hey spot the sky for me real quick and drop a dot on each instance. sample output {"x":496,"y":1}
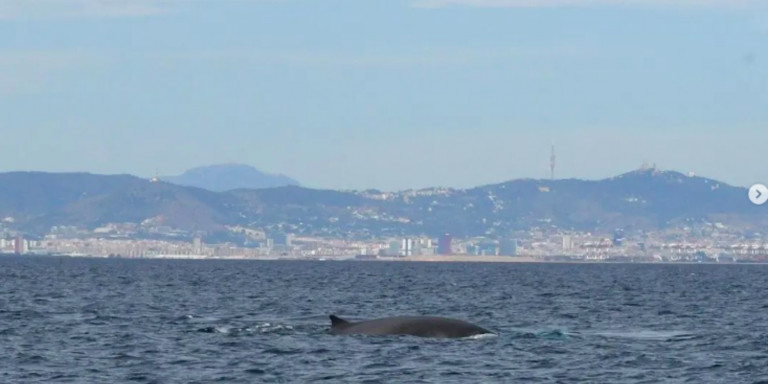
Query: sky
{"x":396,"y":94}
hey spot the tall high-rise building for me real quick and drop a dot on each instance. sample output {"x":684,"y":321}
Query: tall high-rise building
{"x":406,"y":247}
{"x":567,"y":243}
{"x":444,"y":244}
{"x":18,"y":245}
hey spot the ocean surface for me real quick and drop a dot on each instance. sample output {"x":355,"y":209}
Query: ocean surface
{"x":69,"y":320}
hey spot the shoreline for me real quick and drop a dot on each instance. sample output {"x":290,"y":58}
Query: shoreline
{"x":407,"y":259}
{"x":468,"y":259}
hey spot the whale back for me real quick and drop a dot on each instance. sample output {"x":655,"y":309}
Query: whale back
{"x":423,"y":326}
{"x":338,"y":322}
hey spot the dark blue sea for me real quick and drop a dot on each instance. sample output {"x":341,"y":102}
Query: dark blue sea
{"x":68,"y":320}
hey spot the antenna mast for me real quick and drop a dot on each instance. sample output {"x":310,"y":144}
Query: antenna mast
{"x":552,"y":164}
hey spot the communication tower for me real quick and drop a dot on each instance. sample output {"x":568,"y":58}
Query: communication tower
{"x":552,"y":164}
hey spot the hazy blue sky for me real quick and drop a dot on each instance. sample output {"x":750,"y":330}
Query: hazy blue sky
{"x":386,"y":94}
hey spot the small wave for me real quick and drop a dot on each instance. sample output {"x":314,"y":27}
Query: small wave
{"x":214,"y":329}
{"x":647,"y":335}
{"x":553,"y":334}
{"x":260,"y":328}
{"x":269,"y":328}
{"x":557,"y":334}
{"x":282,"y":351}
{"x":664,"y":312}
{"x":483,"y":336}
{"x":76,"y":317}
{"x":31,"y":359}
{"x":308,"y":317}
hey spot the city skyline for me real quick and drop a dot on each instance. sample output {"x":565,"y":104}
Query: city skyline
{"x":455,"y":93}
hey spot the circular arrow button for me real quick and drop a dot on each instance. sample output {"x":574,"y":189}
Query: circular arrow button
{"x":758,"y":194}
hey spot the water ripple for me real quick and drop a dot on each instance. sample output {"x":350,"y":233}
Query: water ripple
{"x":159,"y":321}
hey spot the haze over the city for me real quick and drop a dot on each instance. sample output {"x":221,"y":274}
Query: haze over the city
{"x":386,"y":94}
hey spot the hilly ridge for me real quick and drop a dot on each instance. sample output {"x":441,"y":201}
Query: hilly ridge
{"x":36,"y":201}
{"x":644,"y":199}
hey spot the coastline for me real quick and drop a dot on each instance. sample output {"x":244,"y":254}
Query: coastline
{"x":407,"y":259}
{"x":469,"y":259}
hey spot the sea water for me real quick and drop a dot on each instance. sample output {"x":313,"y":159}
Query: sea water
{"x":79,"y":320}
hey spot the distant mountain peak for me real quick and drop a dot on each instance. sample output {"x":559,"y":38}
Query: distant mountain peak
{"x":225,"y":177}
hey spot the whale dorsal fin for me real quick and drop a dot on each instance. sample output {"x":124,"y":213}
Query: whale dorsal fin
{"x":337,"y":321}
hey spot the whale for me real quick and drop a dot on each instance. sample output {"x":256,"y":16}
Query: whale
{"x":422,"y":326}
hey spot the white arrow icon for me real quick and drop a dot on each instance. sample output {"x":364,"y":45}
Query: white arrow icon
{"x":758,"y":194}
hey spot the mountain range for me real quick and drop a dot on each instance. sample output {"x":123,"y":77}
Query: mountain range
{"x":644,"y":199}
{"x":225,"y":177}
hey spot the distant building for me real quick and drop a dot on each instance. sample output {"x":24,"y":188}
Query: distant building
{"x":285,"y":239}
{"x":508,"y":247}
{"x":394,"y":248}
{"x":423,"y":246}
{"x":18,"y":245}
{"x":618,"y":238}
{"x":567,"y":243}
{"x":444,"y":246}
{"x":487,"y":248}
{"x":406,"y":247}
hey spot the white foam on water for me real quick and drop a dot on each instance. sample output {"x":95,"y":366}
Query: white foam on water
{"x":483,"y":336}
{"x":269,"y":327}
{"x":643,"y":334}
